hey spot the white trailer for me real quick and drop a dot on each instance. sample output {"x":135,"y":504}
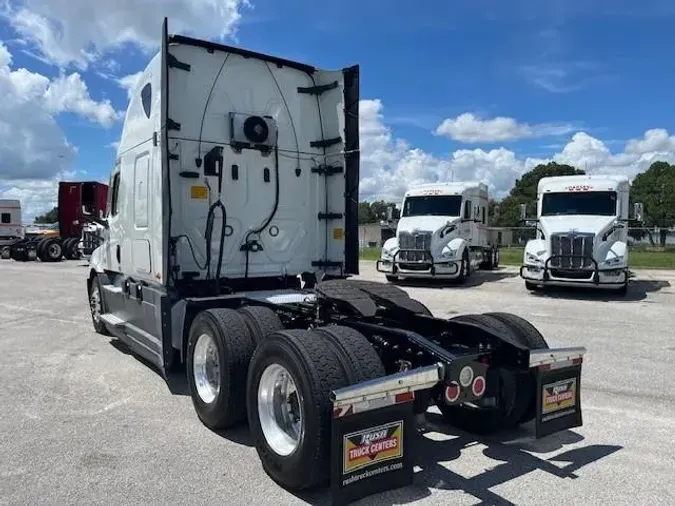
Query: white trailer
{"x":232,"y":227}
{"x":11,"y":228}
{"x":442,"y":233}
{"x":582,"y":233}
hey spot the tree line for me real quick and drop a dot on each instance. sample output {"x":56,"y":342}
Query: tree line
{"x":655,"y":188}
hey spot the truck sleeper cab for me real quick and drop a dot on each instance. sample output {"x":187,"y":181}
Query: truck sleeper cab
{"x":442,"y":233}
{"x":582,"y":233}
{"x":227,"y":251}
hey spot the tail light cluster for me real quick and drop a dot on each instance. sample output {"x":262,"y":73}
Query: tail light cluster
{"x":468,"y":381}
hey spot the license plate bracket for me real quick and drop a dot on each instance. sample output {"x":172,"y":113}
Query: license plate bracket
{"x":558,"y":399}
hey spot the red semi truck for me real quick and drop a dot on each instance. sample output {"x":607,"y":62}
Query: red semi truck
{"x":79,"y":202}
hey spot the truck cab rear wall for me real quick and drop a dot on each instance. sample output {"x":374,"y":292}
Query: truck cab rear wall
{"x":309,"y":225}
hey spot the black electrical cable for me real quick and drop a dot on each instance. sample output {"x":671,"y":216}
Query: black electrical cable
{"x":198,"y":161}
{"x":269,"y":219}
{"x":208,"y":232}
{"x":272,"y":214}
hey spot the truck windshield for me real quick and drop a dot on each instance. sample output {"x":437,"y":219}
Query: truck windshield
{"x":588,"y":203}
{"x":438,"y":205}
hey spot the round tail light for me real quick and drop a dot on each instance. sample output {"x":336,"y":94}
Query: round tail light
{"x":465,"y":376}
{"x":478,"y":386}
{"x":452,"y":392}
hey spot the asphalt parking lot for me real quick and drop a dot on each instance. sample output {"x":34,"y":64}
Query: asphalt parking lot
{"x":83,"y":422}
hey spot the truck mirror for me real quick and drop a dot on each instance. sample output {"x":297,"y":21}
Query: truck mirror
{"x":638,"y":211}
{"x":390,"y":213}
{"x":523,"y":212}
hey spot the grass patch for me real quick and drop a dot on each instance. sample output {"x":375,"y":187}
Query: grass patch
{"x":640,"y":257}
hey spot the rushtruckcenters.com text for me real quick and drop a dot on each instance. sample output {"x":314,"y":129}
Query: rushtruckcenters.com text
{"x":373,"y":472}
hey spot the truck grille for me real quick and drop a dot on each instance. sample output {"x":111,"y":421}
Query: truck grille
{"x":419,"y":243}
{"x":572,"y":251}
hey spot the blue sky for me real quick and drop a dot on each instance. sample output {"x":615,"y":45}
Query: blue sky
{"x":598,"y":67}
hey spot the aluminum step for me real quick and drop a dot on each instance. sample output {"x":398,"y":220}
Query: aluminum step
{"x":112,"y":320}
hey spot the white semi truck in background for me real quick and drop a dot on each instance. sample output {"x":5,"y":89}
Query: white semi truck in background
{"x":442,"y":233}
{"x":11,"y":227}
{"x":581,"y":233}
{"x":231,"y":230}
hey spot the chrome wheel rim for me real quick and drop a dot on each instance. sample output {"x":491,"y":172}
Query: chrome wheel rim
{"x":54,"y":250}
{"x":280,"y":410}
{"x":206,"y":368}
{"x":95,"y":303}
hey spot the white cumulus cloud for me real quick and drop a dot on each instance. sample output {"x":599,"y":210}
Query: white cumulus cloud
{"x":78,"y":32}
{"x":33,"y":148}
{"x":468,"y":127}
{"x":390,"y":165}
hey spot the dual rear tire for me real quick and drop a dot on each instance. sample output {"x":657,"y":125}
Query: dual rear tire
{"x":514,"y":390}
{"x":244,"y":366}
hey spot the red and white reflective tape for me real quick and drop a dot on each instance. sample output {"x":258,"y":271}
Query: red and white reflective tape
{"x":360,"y":407}
{"x":561,"y":365}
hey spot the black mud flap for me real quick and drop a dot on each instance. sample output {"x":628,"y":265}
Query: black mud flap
{"x":558,"y":399}
{"x":371,"y":448}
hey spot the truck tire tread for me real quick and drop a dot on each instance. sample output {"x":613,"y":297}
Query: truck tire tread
{"x":261,"y":321}
{"x":235,"y":347}
{"x":529,"y":336}
{"x":317,"y":371}
{"x":357,"y":355}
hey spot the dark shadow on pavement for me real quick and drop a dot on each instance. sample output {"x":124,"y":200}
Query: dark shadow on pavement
{"x":178,"y":385}
{"x":513,"y":453}
{"x":477,"y":278}
{"x":637,"y":291}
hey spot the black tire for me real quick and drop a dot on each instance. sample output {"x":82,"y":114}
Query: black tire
{"x":261,"y":321}
{"x":52,"y":250}
{"x":357,"y":355}
{"x":527,"y":335}
{"x":623,"y":291}
{"x":316,"y":370}
{"x":40,"y":246}
{"x":465,"y":268}
{"x":392,"y":279}
{"x":530,"y":286}
{"x":68,"y":249}
{"x":97,"y":307}
{"x":516,"y":391}
{"x":234,"y":347}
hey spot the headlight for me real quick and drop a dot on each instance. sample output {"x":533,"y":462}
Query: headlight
{"x":387,"y":253}
{"x":614,"y":260}
{"x":449,"y":253}
{"x":530,"y":258}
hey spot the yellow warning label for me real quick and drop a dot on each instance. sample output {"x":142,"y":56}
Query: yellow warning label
{"x":199,"y":192}
{"x":338,"y":233}
{"x":372,"y":446}
{"x":559,"y":395}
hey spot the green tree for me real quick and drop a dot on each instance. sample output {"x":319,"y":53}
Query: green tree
{"x":524,"y":191}
{"x":365,"y":214}
{"x":50,"y":217}
{"x":655,"y":188}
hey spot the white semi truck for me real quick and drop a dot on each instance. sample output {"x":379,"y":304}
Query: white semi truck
{"x":442,"y":233}
{"x":11,"y":227}
{"x":581,"y":233}
{"x":231,"y":232}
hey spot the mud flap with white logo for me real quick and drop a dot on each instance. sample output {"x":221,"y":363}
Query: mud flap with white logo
{"x":371,"y":448}
{"x":558,"y":400}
